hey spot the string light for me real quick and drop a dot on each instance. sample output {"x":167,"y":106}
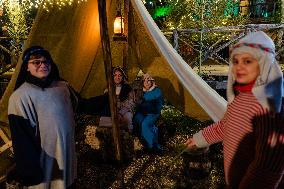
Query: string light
{"x":27,"y":5}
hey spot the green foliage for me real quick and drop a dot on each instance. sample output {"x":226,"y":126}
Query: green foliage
{"x":16,"y":21}
{"x":277,"y":17}
{"x":179,"y":123}
{"x":203,"y":13}
{"x":16,"y":26}
{"x":161,"y":11}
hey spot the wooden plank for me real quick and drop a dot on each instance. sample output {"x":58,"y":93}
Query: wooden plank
{"x":7,"y":141}
{"x":5,"y":146}
{"x":3,"y":136}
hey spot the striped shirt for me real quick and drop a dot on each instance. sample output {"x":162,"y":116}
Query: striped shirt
{"x":253,"y":142}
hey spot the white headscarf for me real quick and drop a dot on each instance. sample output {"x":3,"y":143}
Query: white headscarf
{"x":148,"y":77}
{"x":268,"y":88}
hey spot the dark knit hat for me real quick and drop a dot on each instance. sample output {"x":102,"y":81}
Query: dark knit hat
{"x":36,"y":50}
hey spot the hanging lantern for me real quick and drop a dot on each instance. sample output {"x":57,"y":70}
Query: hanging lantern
{"x":118,"y":28}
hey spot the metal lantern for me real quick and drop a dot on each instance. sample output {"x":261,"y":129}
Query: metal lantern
{"x":118,"y":28}
{"x":118,"y":25}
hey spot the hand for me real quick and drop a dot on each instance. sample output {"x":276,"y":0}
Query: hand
{"x":120,"y":117}
{"x":190,"y":143}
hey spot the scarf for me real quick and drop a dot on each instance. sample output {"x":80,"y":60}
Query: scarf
{"x":244,"y":87}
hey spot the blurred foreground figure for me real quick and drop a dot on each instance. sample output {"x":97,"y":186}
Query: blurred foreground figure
{"x":252,"y":129}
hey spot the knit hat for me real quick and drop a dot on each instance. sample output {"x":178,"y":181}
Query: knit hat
{"x":268,"y":88}
{"x":35,"y":50}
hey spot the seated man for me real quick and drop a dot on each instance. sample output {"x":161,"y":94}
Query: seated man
{"x":147,"y":114}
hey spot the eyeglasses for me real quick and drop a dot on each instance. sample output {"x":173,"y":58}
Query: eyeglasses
{"x":39,"y":62}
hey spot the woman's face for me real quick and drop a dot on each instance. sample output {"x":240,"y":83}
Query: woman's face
{"x":245,"y":68}
{"x":117,"y":77}
{"x":39,"y":67}
{"x":147,"y":84}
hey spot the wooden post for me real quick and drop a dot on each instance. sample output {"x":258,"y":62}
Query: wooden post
{"x":109,"y":76}
{"x":125,"y":45}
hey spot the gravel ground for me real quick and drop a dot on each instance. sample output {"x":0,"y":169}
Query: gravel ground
{"x":98,"y":169}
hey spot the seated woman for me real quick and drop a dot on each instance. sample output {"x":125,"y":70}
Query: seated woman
{"x":100,"y":105}
{"x":147,"y":114}
{"x":125,"y":99}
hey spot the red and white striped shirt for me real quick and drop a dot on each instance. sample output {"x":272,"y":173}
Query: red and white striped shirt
{"x":253,"y":142}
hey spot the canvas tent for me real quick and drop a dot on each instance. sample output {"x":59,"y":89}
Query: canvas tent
{"x":72,"y":35}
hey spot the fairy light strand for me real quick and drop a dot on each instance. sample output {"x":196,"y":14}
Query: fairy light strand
{"x":27,"y":5}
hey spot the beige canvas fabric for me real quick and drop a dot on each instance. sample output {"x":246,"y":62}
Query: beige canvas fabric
{"x":72,"y":35}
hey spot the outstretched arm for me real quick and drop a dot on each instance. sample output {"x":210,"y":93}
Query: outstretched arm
{"x":209,"y":135}
{"x":92,"y":106}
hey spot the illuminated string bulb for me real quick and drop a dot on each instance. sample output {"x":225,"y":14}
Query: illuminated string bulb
{"x":28,"y":4}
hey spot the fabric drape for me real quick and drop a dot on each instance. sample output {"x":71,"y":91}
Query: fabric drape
{"x":207,"y":98}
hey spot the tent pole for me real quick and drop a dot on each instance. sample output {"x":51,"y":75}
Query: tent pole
{"x":125,"y":45}
{"x":109,"y":76}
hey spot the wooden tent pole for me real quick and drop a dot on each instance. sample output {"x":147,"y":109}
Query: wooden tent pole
{"x":125,"y":45}
{"x":109,"y":76}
